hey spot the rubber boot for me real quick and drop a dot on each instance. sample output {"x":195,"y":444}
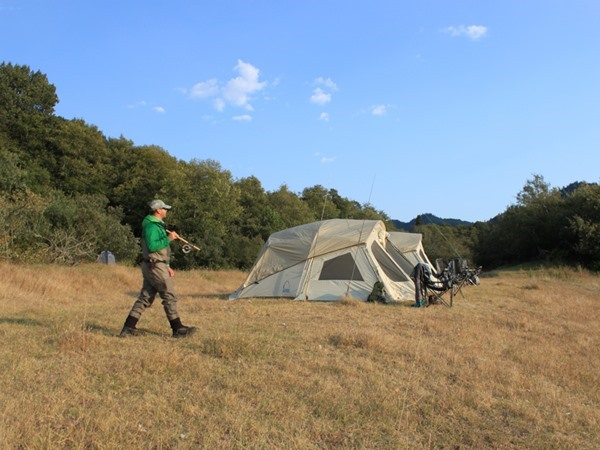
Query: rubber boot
{"x":180,"y":330}
{"x":129,"y":328}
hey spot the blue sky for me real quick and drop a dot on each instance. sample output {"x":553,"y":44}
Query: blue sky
{"x":442,"y":106}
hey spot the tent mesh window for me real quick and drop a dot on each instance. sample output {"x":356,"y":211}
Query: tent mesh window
{"x":387,"y":264}
{"x":341,"y":267}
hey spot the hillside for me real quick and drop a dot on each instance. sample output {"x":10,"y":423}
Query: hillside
{"x":512,"y":365}
{"x":427,"y":219}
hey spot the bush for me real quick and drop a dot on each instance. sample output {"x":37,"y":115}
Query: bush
{"x":60,"y":229}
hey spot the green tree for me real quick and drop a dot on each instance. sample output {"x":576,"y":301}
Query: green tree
{"x":137,"y":175}
{"x":257,"y":217}
{"x":252,"y":227}
{"x":368,"y":212}
{"x":80,"y":158}
{"x":447,"y":242}
{"x":531,"y":230}
{"x":320,"y":202}
{"x":347,"y":209}
{"x":27,"y":102}
{"x":537,"y":221}
{"x":12,"y":174}
{"x":582,"y":234}
{"x":205,"y":207}
{"x":292,"y":210}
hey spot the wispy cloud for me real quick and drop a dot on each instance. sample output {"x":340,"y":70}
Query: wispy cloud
{"x":379,"y":110}
{"x":324,"y":117}
{"x":243,"y":118}
{"x":145,"y":104}
{"x":219,"y":104}
{"x":325,"y":159}
{"x":473,"y":32}
{"x":236,"y":92}
{"x":205,"y":89}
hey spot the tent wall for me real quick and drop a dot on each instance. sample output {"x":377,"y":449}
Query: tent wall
{"x":407,"y":250}
{"x":285,"y":283}
{"x":355,"y":276}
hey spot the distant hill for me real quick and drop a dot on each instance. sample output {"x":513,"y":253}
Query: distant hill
{"x":428,"y":219}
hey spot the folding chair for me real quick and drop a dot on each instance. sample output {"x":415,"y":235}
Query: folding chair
{"x":453,"y":275}
{"x":431,"y":287}
{"x":435,"y":292}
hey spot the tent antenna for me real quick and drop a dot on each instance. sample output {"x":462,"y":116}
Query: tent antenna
{"x":324,"y":202}
{"x":364,"y":218}
{"x":360,"y":236}
{"x":309,"y":270}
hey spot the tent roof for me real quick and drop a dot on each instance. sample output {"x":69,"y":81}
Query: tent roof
{"x":288,"y":247}
{"x":318,"y":238}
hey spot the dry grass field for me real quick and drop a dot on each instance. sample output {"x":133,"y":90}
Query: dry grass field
{"x":514,"y":364}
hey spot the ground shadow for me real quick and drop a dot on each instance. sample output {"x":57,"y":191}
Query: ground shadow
{"x":22,"y":321}
{"x":208,"y":296}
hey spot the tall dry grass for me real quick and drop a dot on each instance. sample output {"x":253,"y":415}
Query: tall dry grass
{"x":514,"y":364}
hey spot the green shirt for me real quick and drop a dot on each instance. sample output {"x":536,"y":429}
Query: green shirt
{"x":154,"y":234}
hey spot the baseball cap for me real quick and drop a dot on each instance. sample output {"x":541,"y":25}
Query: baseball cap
{"x":159,"y":204}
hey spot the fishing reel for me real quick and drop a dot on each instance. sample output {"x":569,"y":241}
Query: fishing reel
{"x":187,"y":246}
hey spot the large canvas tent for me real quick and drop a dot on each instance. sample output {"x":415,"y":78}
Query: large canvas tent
{"x":333,"y":259}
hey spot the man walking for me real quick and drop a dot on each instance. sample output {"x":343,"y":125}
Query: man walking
{"x":157,"y":274}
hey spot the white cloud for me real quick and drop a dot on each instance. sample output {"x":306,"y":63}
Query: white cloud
{"x":235,"y":92}
{"x":327,"y":82}
{"x":243,"y":118}
{"x":379,"y":110}
{"x":238,"y":89}
{"x":324,"y":117}
{"x":159,"y":109}
{"x":473,"y":32}
{"x":319,"y":97}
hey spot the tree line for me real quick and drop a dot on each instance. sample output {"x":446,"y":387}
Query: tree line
{"x":68,"y":192}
